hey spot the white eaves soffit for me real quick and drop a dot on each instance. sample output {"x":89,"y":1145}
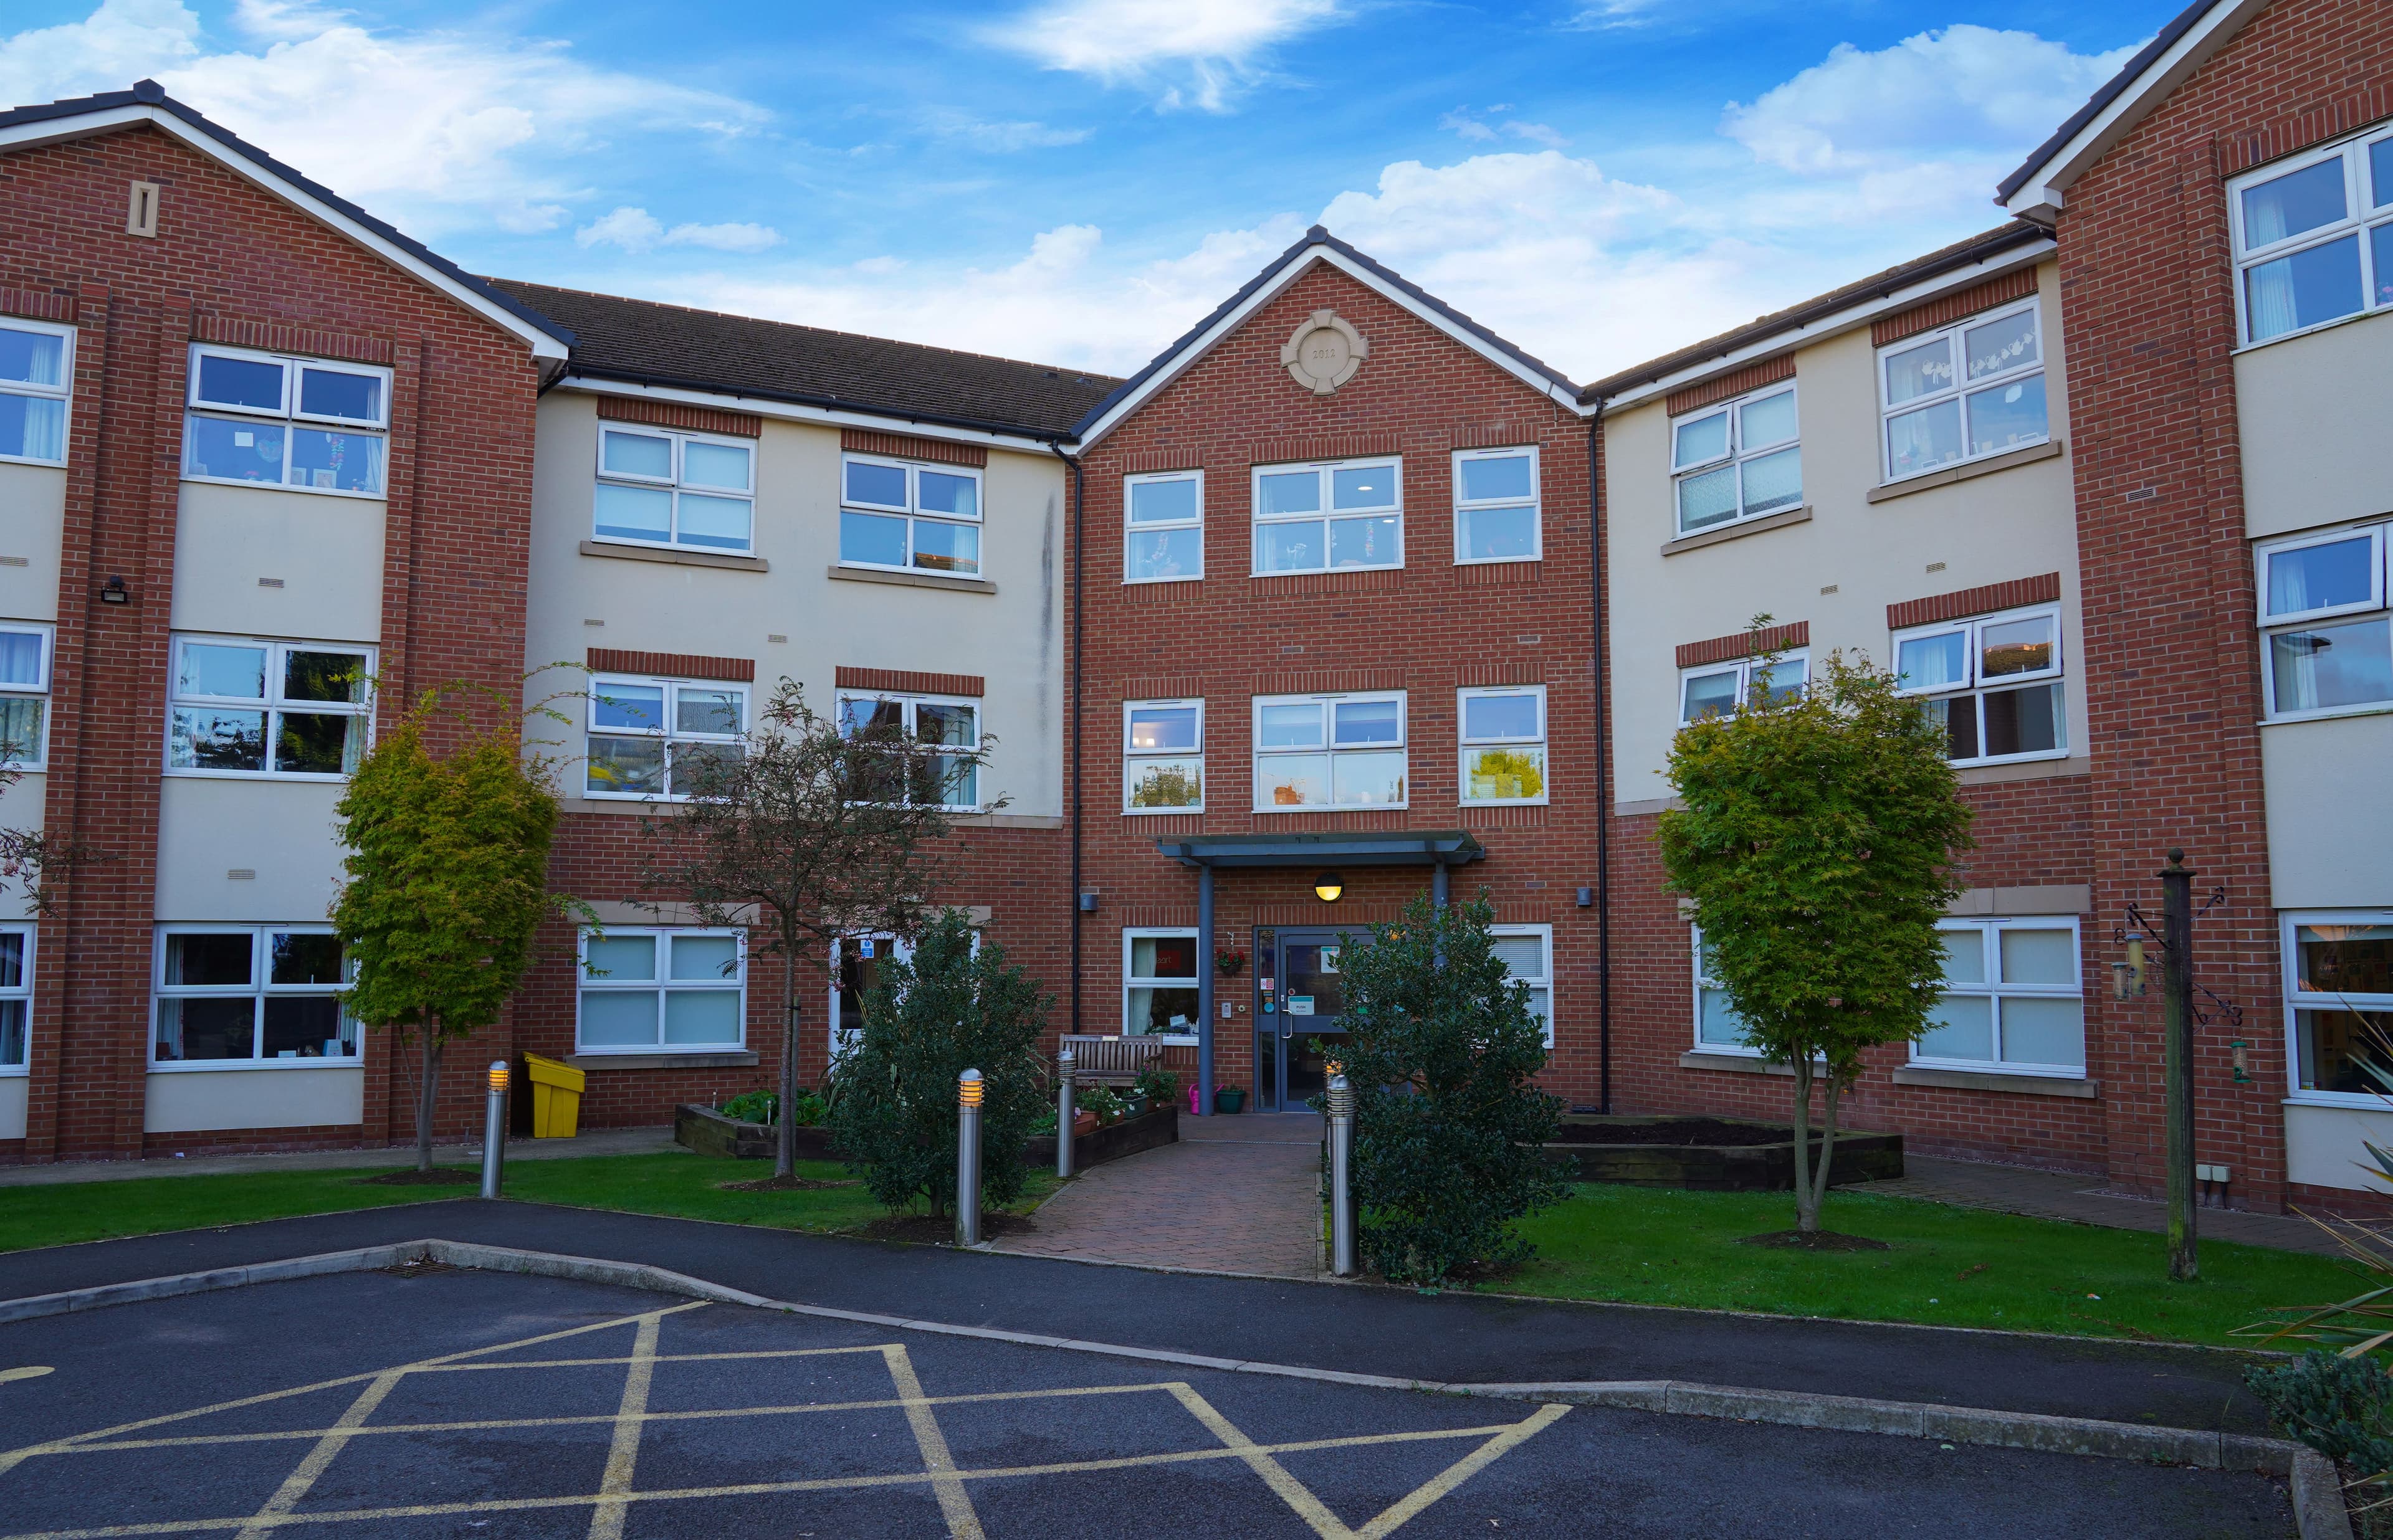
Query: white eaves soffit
{"x":2045,"y":193}
{"x":1186,"y":357}
{"x":115,"y":119}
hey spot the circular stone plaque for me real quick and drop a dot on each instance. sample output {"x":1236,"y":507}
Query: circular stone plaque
{"x":1324,"y":352}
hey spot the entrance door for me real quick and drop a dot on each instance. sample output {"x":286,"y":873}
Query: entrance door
{"x":1300,"y":999}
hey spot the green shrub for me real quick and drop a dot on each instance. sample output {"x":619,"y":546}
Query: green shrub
{"x":764,"y":1106}
{"x":1159,"y":1085}
{"x":2342,"y":1407}
{"x":1104,"y":1101}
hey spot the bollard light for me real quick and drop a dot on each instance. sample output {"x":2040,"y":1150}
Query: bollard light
{"x":1063,"y":1068}
{"x":969,"y":1088}
{"x":498,"y":1075}
{"x":969,"y":1091}
{"x":1341,"y":1162}
{"x":494,"y":1130}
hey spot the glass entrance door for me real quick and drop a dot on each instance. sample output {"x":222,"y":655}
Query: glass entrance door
{"x":1300,"y":1001}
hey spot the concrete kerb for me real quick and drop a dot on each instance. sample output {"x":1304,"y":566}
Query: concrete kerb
{"x":2318,"y":1498}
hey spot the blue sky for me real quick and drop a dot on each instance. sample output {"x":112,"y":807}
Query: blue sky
{"x":1078,"y":180}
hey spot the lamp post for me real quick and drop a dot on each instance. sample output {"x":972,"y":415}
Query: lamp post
{"x":494,"y":1130}
{"x":1063,"y":1063}
{"x":1341,"y":1160}
{"x":2177,"y":1015}
{"x":969,"y":1091}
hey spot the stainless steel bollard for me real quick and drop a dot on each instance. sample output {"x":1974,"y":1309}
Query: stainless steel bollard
{"x":1341,"y":1160}
{"x":494,"y":1130}
{"x":1063,"y":1114}
{"x":969,"y":1091}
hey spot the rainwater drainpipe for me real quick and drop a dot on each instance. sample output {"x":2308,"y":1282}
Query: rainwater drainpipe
{"x":1602,"y":765}
{"x":1073,"y":512}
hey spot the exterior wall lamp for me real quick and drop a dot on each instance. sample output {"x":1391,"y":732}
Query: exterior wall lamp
{"x":1089,"y":902}
{"x":2127,"y":978}
{"x":114,"y":592}
{"x":1327,"y":886}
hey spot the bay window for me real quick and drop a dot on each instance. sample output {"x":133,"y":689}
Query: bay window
{"x":661,"y":989}
{"x":2327,"y":640}
{"x":663,"y":739}
{"x":1328,"y":751}
{"x":1964,"y":392}
{"x":36,"y":371}
{"x":247,"y":996}
{"x":1321,"y":517}
{"x":304,"y":424}
{"x":16,"y":995}
{"x":1992,"y":682}
{"x":1737,"y":460}
{"x":1159,"y":981}
{"x":2313,"y":236}
{"x":1163,"y":756}
{"x":947,"y":780}
{"x":1163,"y":534}
{"x":2013,"y":1001}
{"x":1721,"y":689}
{"x":24,"y":695}
{"x":657,"y":487}
{"x":1503,"y":737}
{"x":2339,"y":1004}
{"x":1495,"y":505}
{"x":896,"y":514}
{"x":292,"y":709}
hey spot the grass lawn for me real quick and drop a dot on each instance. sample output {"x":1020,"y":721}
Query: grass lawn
{"x":1949,"y":1267}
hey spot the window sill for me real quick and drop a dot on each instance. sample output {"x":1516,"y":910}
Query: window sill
{"x":1177,"y":578}
{"x":677,"y":558}
{"x":1996,"y":1080}
{"x":1735,"y":1063}
{"x":911,"y":580}
{"x":2049,"y":449}
{"x":217,"y":1067}
{"x":1329,"y":807}
{"x":1733,"y":532}
{"x":2023,"y":770}
{"x":278,"y":486}
{"x":2352,"y":318}
{"x":729,"y":1058}
{"x":2374,"y":709}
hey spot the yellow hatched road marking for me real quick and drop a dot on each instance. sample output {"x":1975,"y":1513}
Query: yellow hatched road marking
{"x":955,"y":1502}
{"x":623,"y":1457}
{"x":1295,"y":1493}
{"x":1460,"y":1471}
{"x":295,"y":1486}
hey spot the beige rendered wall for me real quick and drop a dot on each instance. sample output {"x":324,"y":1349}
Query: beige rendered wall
{"x":2330,"y":824}
{"x":285,"y":832}
{"x":191,"y":1101}
{"x":2014,"y":523}
{"x":327,"y":551}
{"x":33,"y":521}
{"x":2323,"y":1145}
{"x":1013,"y":637}
{"x":12,"y":1106}
{"x":2309,"y":411}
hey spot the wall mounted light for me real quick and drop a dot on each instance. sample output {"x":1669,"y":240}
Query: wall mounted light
{"x":1089,"y":902}
{"x":1327,"y":886}
{"x":1587,"y":898}
{"x":114,"y":592}
{"x":2127,"y":978}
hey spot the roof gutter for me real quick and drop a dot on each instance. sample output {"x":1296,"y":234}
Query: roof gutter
{"x":1025,"y":436}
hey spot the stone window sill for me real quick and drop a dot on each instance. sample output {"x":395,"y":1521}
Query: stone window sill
{"x":1737,"y":531}
{"x":729,"y":1059}
{"x":911,"y":580}
{"x":677,"y":558}
{"x":1735,"y":1063}
{"x":2015,"y":1085}
{"x":1951,"y":474}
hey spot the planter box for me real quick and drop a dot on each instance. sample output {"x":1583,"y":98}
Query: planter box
{"x":710,"y":1133}
{"x":1765,"y":1166}
{"x":1148,"y":1130}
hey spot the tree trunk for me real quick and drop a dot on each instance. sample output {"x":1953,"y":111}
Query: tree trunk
{"x":1827,"y":1146}
{"x":1806,"y":1208}
{"x":428,"y":1095}
{"x":785,"y":1148}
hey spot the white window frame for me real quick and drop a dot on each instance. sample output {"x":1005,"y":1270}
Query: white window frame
{"x":272,"y":705}
{"x":1134,"y":759}
{"x":1133,"y":530}
{"x":675,"y":485}
{"x":1463,"y":507}
{"x":659,"y":986}
{"x":1130,"y":981}
{"x":1330,"y":702}
{"x":2296,"y":999}
{"x":908,"y":703}
{"x":669,"y":731}
{"x":1702,"y":983}
{"x":914,"y":514}
{"x":195,"y":408}
{"x":1737,"y":453}
{"x":1467,"y":745}
{"x":258,"y":990}
{"x":1544,"y":934}
{"x":1324,"y":516}
{"x":1961,"y":387}
{"x":62,"y":393}
{"x":1970,"y":626}
{"x":39,"y":757}
{"x":899,"y":949}
{"x":20,"y":994}
{"x":1989,"y":934}
{"x":2380,"y":536}
{"x":1743,"y":668}
{"x":2360,"y":219}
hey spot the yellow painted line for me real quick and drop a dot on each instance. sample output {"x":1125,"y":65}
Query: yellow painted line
{"x":295,"y":1486}
{"x":623,"y":1454}
{"x":626,"y":1358}
{"x":1460,"y":1471}
{"x":26,"y":1371}
{"x":955,"y":1502}
{"x":1295,"y":1493}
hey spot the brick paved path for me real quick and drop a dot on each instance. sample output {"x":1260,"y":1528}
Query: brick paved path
{"x":2060,"y":1195}
{"x":1237,"y":1195}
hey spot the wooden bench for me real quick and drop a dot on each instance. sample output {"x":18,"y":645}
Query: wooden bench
{"x":1111,"y":1060}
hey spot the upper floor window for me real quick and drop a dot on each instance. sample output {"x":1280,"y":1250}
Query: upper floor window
{"x":1163,"y":756}
{"x":2013,"y":999}
{"x":2339,"y":991}
{"x":1993,"y":683}
{"x":665,"y":988}
{"x":894,"y":513}
{"x":1159,"y":981}
{"x":24,"y":691}
{"x":1341,"y":514}
{"x":1503,"y":743}
{"x":950,"y":780}
{"x":1963,"y":393}
{"x":1330,"y":751}
{"x":1163,"y":537}
{"x":2314,"y":236}
{"x":247,"y":995}
{"x":2329,"y":640}
{"x":285,"y":422}
{"x":36,"y":368}
{"x":16,"y":995}
{"x":1737,"y":460}
{"x":661,"y":488}
{"x":244,"y":708}
{"x":1495,"y":505}
{"x":1721,"y":689}
{"x":1527,"y":953}
{"x":662,"y":738}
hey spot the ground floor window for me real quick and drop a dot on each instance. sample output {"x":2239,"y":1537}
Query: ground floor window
{"x":2339,"y":1003}
{"x":1528,"y":954}
{"x":1159,"y":981}
{"x":16,"y":994}
{"x":855,"y":968}
{"x":1718,"y":1029}
{"x":650,"y":989}
{"x":251,"y":994}
{"x":2014,"y":999}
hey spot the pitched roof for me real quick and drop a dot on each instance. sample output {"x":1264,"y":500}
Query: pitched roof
{"x":643,"y":341}
{"x":1275,"y":274}
{"x":148,"y":101}
{"x":1961,"y":253}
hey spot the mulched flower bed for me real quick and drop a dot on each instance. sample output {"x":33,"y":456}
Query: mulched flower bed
{"x":783,"y":1184}
{"x":440,"y":1176}
{"x":938,"y":1231}
{"x":1818,"y":1240}
{"x":1676,"y":1130}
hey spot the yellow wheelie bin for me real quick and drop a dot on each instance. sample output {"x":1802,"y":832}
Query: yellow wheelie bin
{"x":555,"y":1097}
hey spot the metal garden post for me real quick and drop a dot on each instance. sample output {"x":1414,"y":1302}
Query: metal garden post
{"x":1063,"y":1062}
{"x":494,"y":1130}
{"x":1341,"y":1160}
{"x":968,"y":1090}
{"x":2176,"y":1014}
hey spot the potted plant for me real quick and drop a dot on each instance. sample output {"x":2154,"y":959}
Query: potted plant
{"x":1229,"y":1099}
{"x":1229,"y":961}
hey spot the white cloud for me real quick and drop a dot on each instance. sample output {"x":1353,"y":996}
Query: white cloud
{"x":1195,"y":53}
{"x":120,"y":43}
{"x":1611,"y":14}
{"x":636,"y":229}
{"x":1005,"y":139}
{"x":1468,"y":126}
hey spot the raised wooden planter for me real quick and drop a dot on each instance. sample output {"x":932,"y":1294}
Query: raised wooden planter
{"x":1151,"y":1130}
{"x":1763,"y":1166}
{"x":710,"y":1133}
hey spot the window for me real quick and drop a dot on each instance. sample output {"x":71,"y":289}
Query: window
{"x":1737,"y":461}
{"x":896,"y":514}
{"x":664,"y":989}
{"x":1527,"y":952}
{"x":1163,"y":756}
{"x":1721,"y":689}
{"x":24,"y":690}
{"x":937,"y":723}
{"x":1503,"y":744}
{"x":1495,"y":505}
{"x":1163,"y":538}
{"x":2339,"y":1004}
{"x":2314,"y":236}
{"x":247,"y":995}
{"x":1718,"y":1029}
{"x":245,"y":708}
{"x":282,"y":422}
{"x":855,"y":968}
{"x":16,"y":995}
{"x":1160,"y":984}
{"x":1327,"y":752}
{"x":659,"y":488}
{"x":2013,"y":999}
{"x":1963,"y":393}
{"x":662,"y":738}
{"x":36,"y":368}
{"x":1314,"y":518}
{"x":2004,"y":716}
{"x":2328,"y":643}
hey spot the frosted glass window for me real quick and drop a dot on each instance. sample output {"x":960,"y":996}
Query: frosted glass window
{"x":648,"y":988}
{"x":2024,"y":1013}
{"x":1763,"y":474}
{"x":661,"y":488}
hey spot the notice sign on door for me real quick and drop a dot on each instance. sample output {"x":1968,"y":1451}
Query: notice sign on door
{"x":1300,"y":1005}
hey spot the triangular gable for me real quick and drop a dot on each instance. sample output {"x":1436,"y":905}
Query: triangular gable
{"x":1317,"y":245}
{"x":148,"y":103}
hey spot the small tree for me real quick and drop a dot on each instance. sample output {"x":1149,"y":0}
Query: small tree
{"x":893,"y":1092}
{"x":1442,"y":1056}
{"x":448,"y":881}
{"x":1816,"y":839}
{"x":818,"y":829}
{"x":31,"y":857}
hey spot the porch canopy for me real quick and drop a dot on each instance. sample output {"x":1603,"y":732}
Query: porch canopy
{"x":1439,"y":849}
